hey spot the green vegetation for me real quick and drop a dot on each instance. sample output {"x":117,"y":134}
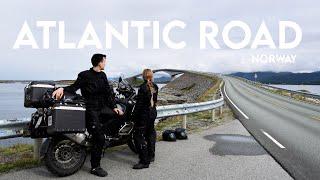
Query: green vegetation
{"x":18,"y":148}
{"x":16,"y":157}
{"x":287,"y":93}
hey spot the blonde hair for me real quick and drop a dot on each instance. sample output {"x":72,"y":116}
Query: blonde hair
{"x":147,"y":75}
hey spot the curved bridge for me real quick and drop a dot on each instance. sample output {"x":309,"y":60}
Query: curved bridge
{"x":171,"y":72}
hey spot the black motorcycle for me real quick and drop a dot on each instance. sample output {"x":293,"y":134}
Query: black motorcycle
{"x":65,"y":153}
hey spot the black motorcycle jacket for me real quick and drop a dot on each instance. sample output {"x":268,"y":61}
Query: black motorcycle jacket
{"x":143,"y":109}
{"x":94,"y":88}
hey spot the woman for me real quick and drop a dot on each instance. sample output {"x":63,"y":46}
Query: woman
{"x":145,"y":114}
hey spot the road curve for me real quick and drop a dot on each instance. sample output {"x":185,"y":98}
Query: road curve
{"x":288,"y":129}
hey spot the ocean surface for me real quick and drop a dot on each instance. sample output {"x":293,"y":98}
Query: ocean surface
{"x":11,"y":101}
{"x":313,"y":89}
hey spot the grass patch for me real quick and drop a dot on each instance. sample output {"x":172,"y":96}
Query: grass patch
{"x":16,"y":157}
{"x":169,"y":122}
{"x":298,"y":97}
{"x":19,"y":164}
{"x":201,"y":115}
{"x":18,"y":148}
{"x":286,"y":93}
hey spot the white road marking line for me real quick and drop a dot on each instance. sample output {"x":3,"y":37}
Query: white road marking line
{"x":225,"y":92}
{"x":270,"y":137}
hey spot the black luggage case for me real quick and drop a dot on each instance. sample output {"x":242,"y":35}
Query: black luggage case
{"x":34,"y":92}
{"x":67,"y":118}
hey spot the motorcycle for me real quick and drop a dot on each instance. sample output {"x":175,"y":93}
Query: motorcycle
{"x":65,"y":153}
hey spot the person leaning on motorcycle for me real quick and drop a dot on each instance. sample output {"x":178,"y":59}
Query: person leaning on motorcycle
{"x":145,"y":114}
{"x":98,"y":94}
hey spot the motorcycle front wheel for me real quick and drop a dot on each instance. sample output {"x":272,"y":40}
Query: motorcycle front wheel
{"x":64,"y":157}
{"x":132,"y":144}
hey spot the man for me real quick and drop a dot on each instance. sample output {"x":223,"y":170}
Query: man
{"x":98,"y":94}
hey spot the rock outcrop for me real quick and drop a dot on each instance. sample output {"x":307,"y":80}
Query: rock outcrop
{"x":185,"y":89}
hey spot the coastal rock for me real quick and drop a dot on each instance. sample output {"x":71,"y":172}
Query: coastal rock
{"x":185,"y":89}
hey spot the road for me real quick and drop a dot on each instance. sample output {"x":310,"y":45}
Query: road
{"x":223,"y":152}
{"x":288,"y":129}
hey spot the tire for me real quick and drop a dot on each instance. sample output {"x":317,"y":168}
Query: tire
{"x":132,"y":145}
{"x":64,"y":157}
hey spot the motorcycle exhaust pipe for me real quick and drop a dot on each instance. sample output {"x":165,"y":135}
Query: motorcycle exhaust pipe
{"x":79,"y":138}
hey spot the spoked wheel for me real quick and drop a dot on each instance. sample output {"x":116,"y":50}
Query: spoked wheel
{"x":64,"y":157}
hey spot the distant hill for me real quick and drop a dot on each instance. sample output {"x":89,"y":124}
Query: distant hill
{"x":269,"y":77}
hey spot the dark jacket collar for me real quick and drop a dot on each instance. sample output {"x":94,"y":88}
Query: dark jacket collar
{"x":92,"y":70}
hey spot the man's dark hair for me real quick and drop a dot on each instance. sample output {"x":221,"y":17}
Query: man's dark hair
{"x":97,"y":58}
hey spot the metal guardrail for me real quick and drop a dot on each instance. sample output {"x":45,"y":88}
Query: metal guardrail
{"x":309,"y":95}
{"x":14,"y":124}
{"x":182,"y":109}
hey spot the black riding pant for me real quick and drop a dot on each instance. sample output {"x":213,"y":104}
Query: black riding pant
{"x":145,"y":138}
{"x":94,"y":127}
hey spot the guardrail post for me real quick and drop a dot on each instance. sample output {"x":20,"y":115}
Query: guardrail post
{"x":36,"y":148}
{"x":184,"y":122}
{"x":213,"y":111}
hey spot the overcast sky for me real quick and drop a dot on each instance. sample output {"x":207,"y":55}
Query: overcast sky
{"x":54,"y":63}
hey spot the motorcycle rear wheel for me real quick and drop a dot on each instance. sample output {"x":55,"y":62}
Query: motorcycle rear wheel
{"x":64,"y":157}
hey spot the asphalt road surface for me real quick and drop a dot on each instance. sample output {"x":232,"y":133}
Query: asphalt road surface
{"x":224,"y":152}
{"x":288,"y":129}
